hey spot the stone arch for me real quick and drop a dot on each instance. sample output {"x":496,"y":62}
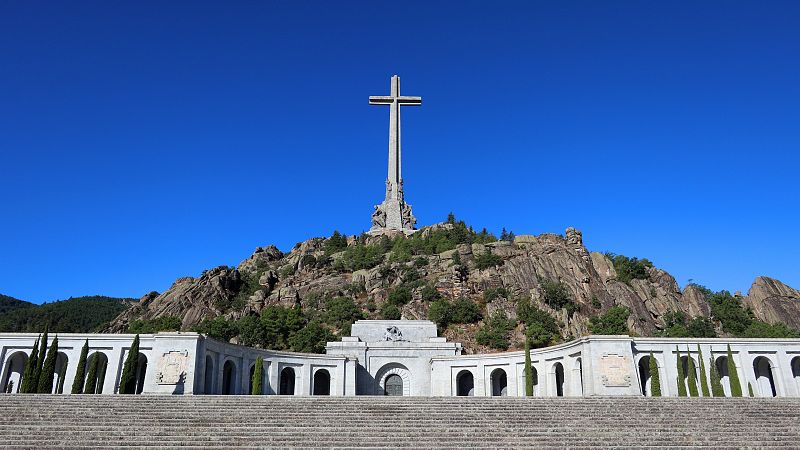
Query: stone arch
{"x":796,"y":371}
{"x":322,"y":382}
{"x":558,"y":377}
{"x":645,"y":377}
{"x":287,"y":381}
{"x":229,"y":375}
{"x":724,"y":376}
{"x":465,"y":384}
{"x":13,"y":370}
{"x":685,"y":364}
{"x":141,"y":371}
{"x":394,"y":369}
{"x":577,"y":378}
{"x":62,"y":361}
{"x":102,"y":366}
{"x":765,"y":382}
{"x":535,"y":376}
{"x":499,"y":380}
{"x":208,"y":387}
{"x":250,"y":379}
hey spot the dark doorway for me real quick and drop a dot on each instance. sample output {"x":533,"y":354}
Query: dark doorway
{"x":322,"y":382}
{"x":394,"y":385}
{"x":287,"y":381}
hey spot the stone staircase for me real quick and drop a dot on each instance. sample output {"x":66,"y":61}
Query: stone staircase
{"x":113,"y":421}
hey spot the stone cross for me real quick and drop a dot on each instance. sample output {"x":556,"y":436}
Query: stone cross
{"x":394,"y":213}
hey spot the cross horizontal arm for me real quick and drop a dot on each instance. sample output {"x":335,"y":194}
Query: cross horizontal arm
{"x":387,"y":100}
{"x":409,"y":100}
{"x":381,"y":100}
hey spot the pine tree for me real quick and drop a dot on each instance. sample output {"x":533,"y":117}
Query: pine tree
{"x":528,"y":369}
{"x":48,"y":369}
{"x":750,"y":389}
{"x":61,"y":375}
{"x":258,"y":377}
{"x":692,"y":375}
{"x":127,"y":381}
{"x":655,"y":380}
{"x":40,"y":363}
{"x":91,"y":378}
{"x":681,"y":382}
{"x":733,"y":376}
{"x":30,"y":369}
{"x":703,"y":375}
{"x":80,"y":370}
{"x":716,"y":384}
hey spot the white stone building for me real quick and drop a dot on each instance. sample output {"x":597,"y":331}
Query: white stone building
{"x":406,"y":357}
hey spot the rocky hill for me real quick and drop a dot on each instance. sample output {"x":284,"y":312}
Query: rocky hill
{"x":482,"y":291}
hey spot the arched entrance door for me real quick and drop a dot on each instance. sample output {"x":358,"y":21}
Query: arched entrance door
{"x":465,"y":384}
{"x":229,"y":378}
{"x":60,"y":371}
{"x":394,"y":385}
{"x":322,"y":382}
{"x":287,"y":381}
{"x":559,"y":379}
{"x":724,"y":379}
{"x":644,"y":376}
{"x":12,"y":373}
{"x":499,"y":383}
{"x":765,"y":384}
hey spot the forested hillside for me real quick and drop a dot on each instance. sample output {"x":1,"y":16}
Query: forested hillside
{"x":74,"y":315}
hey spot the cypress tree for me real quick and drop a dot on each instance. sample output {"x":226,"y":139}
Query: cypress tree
{"x":528,"y":369}
{"x":258,"y":377}
{"x":692,"y":375}
{"x":30,"y":369}
{"x":733,"y":376}
{"x":42,"y":349}
{"x":655,"y":378}
{"x":61,"y":375}
{"x":91,"y":378}
{"x":703,"y":376}
{"x":10,"y":387}
{"x":681,"y":382}
{"x":80,"y":370}
{"x":750,"y":389}
{"x":48,"y":369}
{"x":127,"y":382}
{"x":716,"y":384}
{"x":101,"y":374}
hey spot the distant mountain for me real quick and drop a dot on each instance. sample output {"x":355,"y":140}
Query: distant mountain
{"x":74,"y":315}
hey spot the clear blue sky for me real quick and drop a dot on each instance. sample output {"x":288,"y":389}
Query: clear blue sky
{"x":144,"y":141}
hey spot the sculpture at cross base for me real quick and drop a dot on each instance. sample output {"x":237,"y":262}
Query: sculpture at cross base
{"x":394,"y":213}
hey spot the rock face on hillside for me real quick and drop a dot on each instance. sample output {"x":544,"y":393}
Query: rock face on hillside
{"x":306,"y":275}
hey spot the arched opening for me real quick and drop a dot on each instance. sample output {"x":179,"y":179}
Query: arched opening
{"x":393,"y":385}
{"x":796,"y":371}
{"x":209,"y":378}
{"x":644,"y":376}
{"x":499,"y":383}
{"x":229,"y":378}
{"x":686,"y":367}
{"x":250,"y":379}
{"x":577,"y":379}
{"x":465,"y":384}
{"x":287,"y":381}
{"x":322,"y":382}
{"x":100,"y":374}
{"x":724,"y":378}
{"x":60,"y":371}
{"x":141,"y":370}
{"x":765,"y":384}
{"x":558,"y":368}
{"x":12,"y":373}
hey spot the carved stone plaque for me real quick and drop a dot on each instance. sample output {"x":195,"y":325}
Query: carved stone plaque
{"x":615,"y":370}
{"x":172,"y":367}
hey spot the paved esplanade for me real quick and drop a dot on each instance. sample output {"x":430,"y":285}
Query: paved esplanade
{"x":394,"y":213}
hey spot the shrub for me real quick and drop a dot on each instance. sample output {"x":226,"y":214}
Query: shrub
{"x":80,"y":370}
{"x":596,"y":302}
{"x":420,"y":262}
{"x":692,"y":378}
{"x":556,"y":294}
{"x":440,"y":312}
{"x":335,"y":243}
{"x":310,"y":339}
{"x":218,"y":328}
{"x":400,"y":296}
{"x":308,"y":261}
{"x":341,"y":312}
{"x":148,"y":326}
{"x":257,"y":382}
{"x":681,"y":377}
{"x":733,"y":375}
{"x":655,"y":377}
{"x":465,"y":311}
{"x":390,"y":311}
{"x":677,"y":325}
{"x":614,"y":321}
{"x":703,"y":374}
{"x":487,"y":259}
{"x":361,"y":256}
{"x":630,"y":268}
{"x":541,"y":328}
{"x":716,"y":384}
{"x":430,"y":294}
{"x":494,"y":333}
{"x":127,"y":381}
{"x":493,"y":293}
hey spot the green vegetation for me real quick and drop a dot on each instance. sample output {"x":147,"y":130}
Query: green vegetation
{"x":91,"y":379}
{"x":75,"y":315}
{"x":681,"y":376}
{"x":400,"y":296}
{"x":334,"y":244}
{"x":9,"y":304}
{"x":655,"y":378}
{"x":528,"y":370}
{"x":492,"y":294}
{"x":361,"y":256}
{"x":494,"y":332}
{"x":677,"y":324}
{"x":463,"y":310}
{"x":30,"y":369}
{"x":258,"y":377}
{"x":127,"y":381}
{"x":507,"y":236}
{"x":692,"y":375}
{"x":218,"y":328}
{"x":739,"y":321}
{"x":487,"y":259}
{"x":48,"y":369}
{"x":541,"y":329}
{"x":430,"y":294}
{"x":750,"y":389}
{"x":557,"y":296}
{"x":390,"y":311}
{"x":80,"y":370}
{"x":341,"y":312}
{"x":614,"y":321}
{"x":630,"y":268}
{"x":733,"y":375}
{"x":716,"y":384}
{"x":703,"y":373}
{"x":149,"y":326}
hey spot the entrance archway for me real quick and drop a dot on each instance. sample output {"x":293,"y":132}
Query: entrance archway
{"x":393,"y":386}
{"x":724,"y":377}
{"x":12,"y":373}
{"x":499,"y":383}
{"x":100,"y":375}
{"x":796,"y":371}
{"x":465,"y":384}
{"x":645,"y":376}
{"x":229,"y":378}
{"x":287,"y":381}
{"x":686,"y":368}
{"x":765,"y":383}
{"x":141,"y":371}
{"x":558,"y":369}
{"x":209,"y":378}
{"x":59,"y":373}
{"x":322,"y":382}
